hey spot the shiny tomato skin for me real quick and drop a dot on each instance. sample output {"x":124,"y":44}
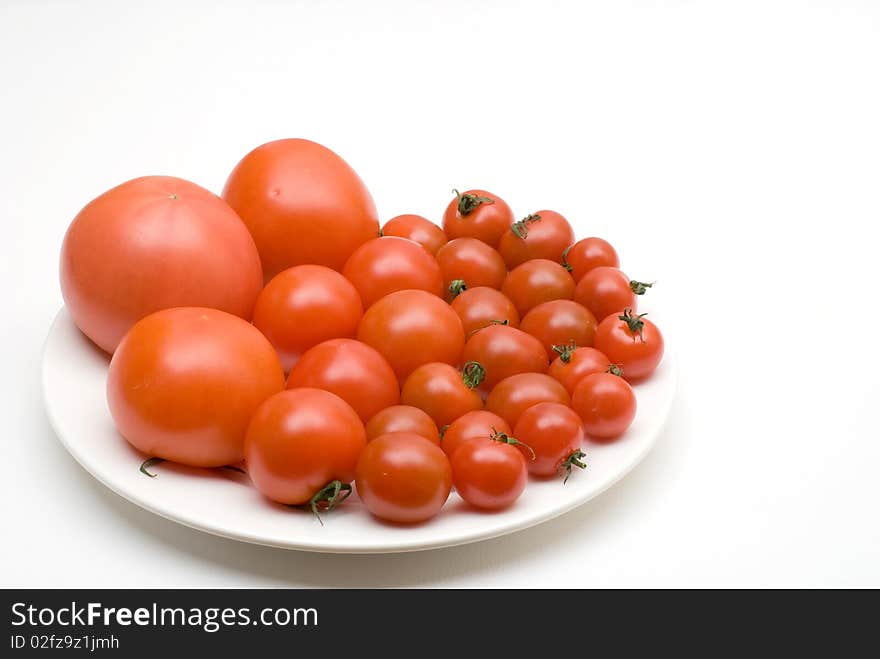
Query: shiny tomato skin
{"x":638,"y":355}
{"x":300,"y":440}
{"x":504,"y":351}
{"x":606,"y":403}
{"x":417,"y":228}
{"x":352,"y":370}
{"x":514,"y":395}
{"x":590,"y":253}
{"x":184,"y":383}
{"x":472,"y":261}
{"x":487,"y":222}
{"x":302,"y":204}
{"x":403,"y":478}
{"x":547,"y":235}
{"x":411,"y":328}
{"x":535,"y":282}
{"x":155,"y":243}
{"x":304,"y":306}
{"x":560,"y":322}
{"x":604,"y":291}
{"x":581,"y":363}
{"x":402,"y":418}
{"x":553,"y":431}
{"x":488,"y":474}
{"x":483,"y":306}
{"x":480,"y":424}
{"x":439,"y":390}
{"x":386,"y":265}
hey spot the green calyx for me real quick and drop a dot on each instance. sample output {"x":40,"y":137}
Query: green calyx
{"x":565,"y":263}
{"x":565,"y":350}
{"x":573,"y":460}
{"x":504,"y":438}
{"x":635,"y":323}
{"x":473,"y":374}
{"x":468,"y":202}
{"x":521,"y":227}
{"x":328,"y":498}
{"x":639,"y":287}
{"x":456,"y":288}
{"x":615,"y":369}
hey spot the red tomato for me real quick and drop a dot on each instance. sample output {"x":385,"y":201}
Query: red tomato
{"x":153,"y":243}
{"x":386,"y":265}
{"x":477,"y":214}
{"x":473,"y":425}
{"x":541,"y":235}
{"x":403,"y":477}
{"x":632,"y":342}
{"x":302,"y":204}
{"x":606,"y":403}
{"x":471,"y":262}
{"x":402,"y":418}
{"x":587,"y":254}
{"x":299,"y":442}
{"x":575,"y":363}
{"x":560,"y":322}
{"x":411,"y":328}
{"x":504,"y":351}
{"x":514,"y":395}
{"x":555,"y":433}
{"x":184,"y":383}
{"x":537,"y":281}
{"x":605,"y":291}
{"x":443,"y":391}
{"x":417,"y":228}
{"x":483,"y":306}
{"x":489,"y":474}
{"x":353,"y":371}
{"x":305,"y":305}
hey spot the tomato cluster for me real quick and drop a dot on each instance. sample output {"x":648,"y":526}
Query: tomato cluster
{"x":279,"y":326}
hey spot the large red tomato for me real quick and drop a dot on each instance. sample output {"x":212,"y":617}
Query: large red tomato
{"x":153,"y":243}
{"x":302,"y":204}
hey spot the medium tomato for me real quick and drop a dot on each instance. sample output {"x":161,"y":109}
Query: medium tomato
{"x":632,"y":342}
{"x":468,"y":262}
{"x":402,"y":418}
{"x":483,"y":306}
{"x":606,"y":290}
{"x":468,"y":427}
{"x":411,"y":328}
{"x":184,"y":383}
{"x":574,"y":364}
{"x":403,"y":477}
{"x":535,"y":282}
{"x":386,"y":265}
{"x":417,"y":228}
{"x":560,"y":322}
{"x":587,"y":254}
{"x":489,"y":473}
{"x":514,"y":395}
{"x":541,"y":235}
{"x":352,"y":370}
{"x":555,"y":433}
{"x":504,"y":351}
{"x":302,"y":447}
{"x":305,"y":305}
{"x":444,"y":392}
{"x":154,"y":243}
{"x":477,"y":214}
{"x":606,"y":403}
{"x":302,"y":204}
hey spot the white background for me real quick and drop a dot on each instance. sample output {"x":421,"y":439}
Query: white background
{"x":730,"y":150}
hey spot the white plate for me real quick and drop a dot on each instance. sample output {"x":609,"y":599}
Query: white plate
{"x":223,"y":502}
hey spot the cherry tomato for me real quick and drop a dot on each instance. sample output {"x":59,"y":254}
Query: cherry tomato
{"x":299,"y":442}
{"x":477,"y":214}
{"x":302,"y":204}
{"x":537,"y":281}
{"x":184,"y":383}
{"x":352,"y":370}
{"x":541,"y":235}
{"x":403,"y":477}
{"x":153,"y":243}
{"x":483,"y":306}
{"x":468,"y":262}
{"x":632,"y":342}
{"x":606,"y":290}
{"x":402,"y":418}
{"x":443,"y":391}
{"x":606,"y":403}
{"x":576,"y":363}
{"x":504,"y":351}
{"x":417,"y":228}
{"x":473,"y":425}
{"x":385,"y":265}
{"x":489,"y":474}
{"x":560,"y":322}
{"x":411,"y":328}
{"x":305,"y":305}
{"x":555,"y":433}
{"x":514,"y":395}
{"x":587,"y":254}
